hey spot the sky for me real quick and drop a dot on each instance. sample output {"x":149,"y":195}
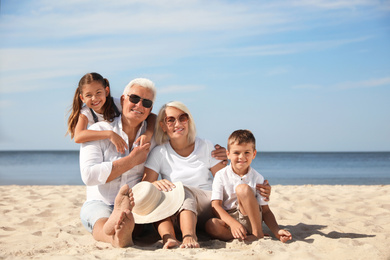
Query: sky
{"x":301,"y":75}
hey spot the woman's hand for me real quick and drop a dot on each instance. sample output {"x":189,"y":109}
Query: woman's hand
{"x":220,"y":154}
{"x":164,"y":185}
{"x":264,"y":190}
{"x":119,"y":143}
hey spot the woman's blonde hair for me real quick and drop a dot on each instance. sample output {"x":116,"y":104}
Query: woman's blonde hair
{"x":160,"y":136}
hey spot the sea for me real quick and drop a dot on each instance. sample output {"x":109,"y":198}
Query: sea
{"x":284,"y":168}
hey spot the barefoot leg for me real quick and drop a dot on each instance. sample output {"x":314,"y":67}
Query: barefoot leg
{"x":217,"y":228}
{"x":187,"y":221}
{"x":118,"y":228}
{"x":250,"y":207}
{"x":123,"y":202}
{"x":167,"y":233}
{"x":123,"y":236}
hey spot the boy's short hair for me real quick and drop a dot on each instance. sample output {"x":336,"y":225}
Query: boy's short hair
{"x":242,"y":137}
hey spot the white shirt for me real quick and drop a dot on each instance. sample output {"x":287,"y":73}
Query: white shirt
{"x":96,"y":158}
{"x":226,"y":181}
{"x":86,"y":111}
{"x":193,"y":170}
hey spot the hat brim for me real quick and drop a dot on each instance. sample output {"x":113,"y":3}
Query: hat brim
{"x":170,"y":202}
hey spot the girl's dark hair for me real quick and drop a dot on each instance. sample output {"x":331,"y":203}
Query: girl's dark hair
{"x":108,"y":107}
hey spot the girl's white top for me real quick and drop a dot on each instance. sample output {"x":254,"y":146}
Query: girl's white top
{"x":86,"y":111}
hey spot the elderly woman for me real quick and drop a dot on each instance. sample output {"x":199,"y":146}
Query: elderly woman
{"x":181,"y":156}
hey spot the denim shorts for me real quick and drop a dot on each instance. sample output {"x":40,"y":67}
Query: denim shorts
{"x":94,"y":210}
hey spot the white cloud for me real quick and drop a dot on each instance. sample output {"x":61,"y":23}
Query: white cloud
{"x":277,"y":71}
{"x":288,"y":48}
{"x":307,"y":86}
{"x":335,"y":4}
{"x":69,"y":19}
{"x":181,"y":89}
{"x":371,"y":83}
{"x":5,"y":104}
{"x":365,"y":84}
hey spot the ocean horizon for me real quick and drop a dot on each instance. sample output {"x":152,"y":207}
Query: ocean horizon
{"x":284,"y":168}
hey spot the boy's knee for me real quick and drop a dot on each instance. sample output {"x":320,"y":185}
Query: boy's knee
{"x":213,"y":227}
{"x":243,"y":190}
{"x":209,"y":226}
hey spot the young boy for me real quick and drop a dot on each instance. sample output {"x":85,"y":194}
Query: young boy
{"x":240,"y":210}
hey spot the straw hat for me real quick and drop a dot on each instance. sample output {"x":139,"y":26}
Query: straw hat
{"x":151,"y":204}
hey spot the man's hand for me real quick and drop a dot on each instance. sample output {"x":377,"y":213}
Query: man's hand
{"x":264,"y":190}
{"x":140,"y":153}
{"x":220,"y":154}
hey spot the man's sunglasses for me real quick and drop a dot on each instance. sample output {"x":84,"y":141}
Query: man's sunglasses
{"x":147,"y":103}
{"x":170,"y":120}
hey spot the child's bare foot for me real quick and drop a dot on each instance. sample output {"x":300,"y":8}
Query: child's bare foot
{"x":170,"y":242}
{"x":124,"y":202}
{"x":251,"y":238}
{"x":190,"y":241}
{"x":123,"y":230}
{"x":258,"y":235}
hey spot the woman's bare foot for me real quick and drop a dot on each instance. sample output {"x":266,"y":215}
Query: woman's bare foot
{"x":123,"y":236}
{"x":190,"y":241}
{"x":124,"y":203}
{"x":170,"y":242}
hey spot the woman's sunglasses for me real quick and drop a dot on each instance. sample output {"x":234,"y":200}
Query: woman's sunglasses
{"x":147,"y":103}
{"x":170,"y":120}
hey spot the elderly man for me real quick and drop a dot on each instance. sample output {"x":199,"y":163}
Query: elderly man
{"x":109,"y":174}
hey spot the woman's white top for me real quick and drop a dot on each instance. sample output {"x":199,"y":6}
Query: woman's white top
{"x":193,"y":170}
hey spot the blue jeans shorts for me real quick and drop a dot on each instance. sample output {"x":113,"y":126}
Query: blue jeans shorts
{"x":94,"y":210}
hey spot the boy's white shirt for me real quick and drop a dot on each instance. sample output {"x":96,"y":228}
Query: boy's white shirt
{"x":226,"y":181}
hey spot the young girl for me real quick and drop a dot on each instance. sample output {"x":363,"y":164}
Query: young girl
{"x":94,"y":91}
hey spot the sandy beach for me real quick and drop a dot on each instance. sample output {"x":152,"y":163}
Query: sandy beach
{"x":327,"y":222}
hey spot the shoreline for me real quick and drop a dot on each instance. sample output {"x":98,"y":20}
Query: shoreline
{"x":326,"y":221}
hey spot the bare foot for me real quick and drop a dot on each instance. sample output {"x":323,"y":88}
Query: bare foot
{"x":251,"y":238}
{"x":123,"y":236}
{"x":190,"y":241}
{"x":124,"y":202}
{"x":258,"y":234}
{"x":170,"y":242}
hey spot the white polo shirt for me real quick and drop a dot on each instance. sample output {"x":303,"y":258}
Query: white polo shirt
{"x":96,"y":158}
{"x":226,"y":181}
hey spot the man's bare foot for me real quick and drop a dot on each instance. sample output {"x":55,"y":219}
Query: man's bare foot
{"x":170,"y":242}
{"x":124,"y":202}
{"x":190,"y":241}
{"x":123,"y":230}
